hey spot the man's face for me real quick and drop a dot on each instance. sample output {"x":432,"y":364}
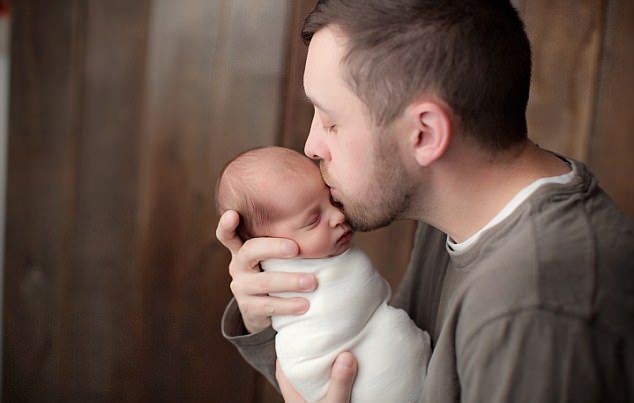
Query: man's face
{"x":359,"y":162}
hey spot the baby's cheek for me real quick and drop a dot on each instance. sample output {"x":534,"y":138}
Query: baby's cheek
{"x":314,"y":245}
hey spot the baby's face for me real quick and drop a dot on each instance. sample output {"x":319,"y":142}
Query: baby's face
{"x":308,"y":217}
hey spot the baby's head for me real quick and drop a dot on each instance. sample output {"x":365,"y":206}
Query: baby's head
{"x":279,"y":193}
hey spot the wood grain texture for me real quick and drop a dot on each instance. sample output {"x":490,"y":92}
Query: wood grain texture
{"x":214,"y":71}
{"x":115,"y":283}
{"x":565,"y":39}
{"x":175,"y":251}
{"x":100,"y":293}
{"x":297,"y":111}
{"x":44,"y":98}
{"x":612,"y":152}
{"x":71,"y":199}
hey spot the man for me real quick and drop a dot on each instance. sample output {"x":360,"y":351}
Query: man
{"x":522,"y":269}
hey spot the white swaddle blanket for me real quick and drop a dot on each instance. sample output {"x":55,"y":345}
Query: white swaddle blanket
{"x":349,"y":312}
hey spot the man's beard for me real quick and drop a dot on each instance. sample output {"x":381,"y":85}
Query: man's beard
{"x":389,"y":192}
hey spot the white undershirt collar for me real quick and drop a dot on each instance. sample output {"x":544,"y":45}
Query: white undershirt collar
{"x":458,"y":248}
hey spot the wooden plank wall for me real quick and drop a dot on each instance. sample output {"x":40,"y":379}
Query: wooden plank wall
{"x":611,"y":148}
{"x":214,"y":74}
{"x":583,"y":86}
{"x":76,"y":90}
{"x":121,"y":116}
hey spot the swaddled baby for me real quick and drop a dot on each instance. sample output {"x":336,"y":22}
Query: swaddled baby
{"x":279,"y":193}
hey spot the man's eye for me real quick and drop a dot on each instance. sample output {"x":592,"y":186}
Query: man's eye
{"x":331,"y":128}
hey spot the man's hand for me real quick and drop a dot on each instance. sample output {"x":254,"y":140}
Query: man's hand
{"x":344,"y":371}
{"x":250,"y":286}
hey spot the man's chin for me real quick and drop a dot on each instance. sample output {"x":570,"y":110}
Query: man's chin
{"x":361,"y":223}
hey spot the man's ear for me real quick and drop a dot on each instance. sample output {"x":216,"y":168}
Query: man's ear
{"x":432,"y":130}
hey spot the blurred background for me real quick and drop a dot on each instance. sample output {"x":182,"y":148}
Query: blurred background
{"x":115,"y":119}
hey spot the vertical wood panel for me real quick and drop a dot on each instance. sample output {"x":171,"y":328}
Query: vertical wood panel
{"x":175,"y":247}
{"x":297,"y":111}
{"x":612,"y":153}
{"x":74,"y":133}
{"x":100,"y":359}
{"x":173,"y":257}
{"x":45,"y":68}
{"x":214,"y":74}
{"x":565,"y":38}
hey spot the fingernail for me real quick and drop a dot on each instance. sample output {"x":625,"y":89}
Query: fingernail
{"x":226,"y":216}
{"x":344,"y":360}
{"x":288,"y":249}
{"x":301,"y":306}
{"x":305,"y":282}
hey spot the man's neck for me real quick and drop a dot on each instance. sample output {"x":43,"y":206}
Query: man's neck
{"x":466,"y":191}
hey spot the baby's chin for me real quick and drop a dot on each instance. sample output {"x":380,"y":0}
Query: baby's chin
{"x":339,"y":249}
{"x":336,"y":251}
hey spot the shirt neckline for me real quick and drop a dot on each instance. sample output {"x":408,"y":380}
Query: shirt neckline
{"x":456,"y":249}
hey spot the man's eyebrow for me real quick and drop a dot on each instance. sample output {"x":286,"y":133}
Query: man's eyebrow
{"x":317,"y":104}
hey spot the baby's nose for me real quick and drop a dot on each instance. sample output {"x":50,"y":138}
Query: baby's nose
{"x":337,"y":217}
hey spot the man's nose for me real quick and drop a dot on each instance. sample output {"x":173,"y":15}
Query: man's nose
{"x":315,"y":147}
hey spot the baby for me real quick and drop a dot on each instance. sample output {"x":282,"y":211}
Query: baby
{"x":279,"y":193}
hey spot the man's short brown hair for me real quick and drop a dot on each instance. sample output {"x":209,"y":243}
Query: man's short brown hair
{"x":474,"y":54}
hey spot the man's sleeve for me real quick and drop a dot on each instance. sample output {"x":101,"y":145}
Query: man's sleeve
{"x":530,"y":356}
{"x":258,"y":349}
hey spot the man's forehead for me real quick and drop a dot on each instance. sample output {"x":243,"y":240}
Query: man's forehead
{"x":322,"y":63}
{"x":319,"y":104}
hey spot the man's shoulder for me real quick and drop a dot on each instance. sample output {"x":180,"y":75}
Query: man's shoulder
{"x":569,"y":254}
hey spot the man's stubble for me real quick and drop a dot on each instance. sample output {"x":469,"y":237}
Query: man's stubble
{"x":388,"y":193}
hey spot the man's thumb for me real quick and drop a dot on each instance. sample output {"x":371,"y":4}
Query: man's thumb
{"x":344,"y":371}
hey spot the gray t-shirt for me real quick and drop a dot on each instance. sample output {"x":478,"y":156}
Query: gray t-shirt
{"x":539,"y":309}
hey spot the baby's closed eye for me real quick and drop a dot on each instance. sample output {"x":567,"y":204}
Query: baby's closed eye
{"x":312,"y":221}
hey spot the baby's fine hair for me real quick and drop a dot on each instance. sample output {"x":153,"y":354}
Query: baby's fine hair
{"x":240,"y":185}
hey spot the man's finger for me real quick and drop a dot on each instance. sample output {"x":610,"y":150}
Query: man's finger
{"x":344,"y":371}
{"x":257,"y":249}
{"x":256,"y":311}
{"x":268,"y":282}
{"x":226,"y":231}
